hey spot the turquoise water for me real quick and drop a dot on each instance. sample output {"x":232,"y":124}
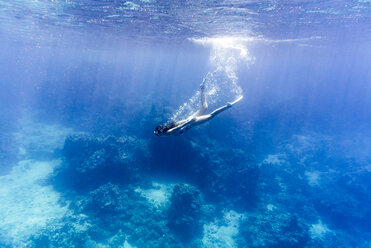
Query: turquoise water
{"x":85,"y":83}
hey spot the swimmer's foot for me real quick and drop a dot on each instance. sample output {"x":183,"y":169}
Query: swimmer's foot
{"x":230,"y":104}
{"x":235,"y":101}
{"x":202,"y":86}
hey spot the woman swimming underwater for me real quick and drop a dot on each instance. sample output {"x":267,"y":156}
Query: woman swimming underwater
{"x":178,"y":128}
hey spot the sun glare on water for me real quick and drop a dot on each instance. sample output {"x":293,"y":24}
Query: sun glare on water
{"x":226,"y":42}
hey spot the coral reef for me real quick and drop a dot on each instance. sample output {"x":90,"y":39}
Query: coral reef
{"x":92,"y":161}
{"x":226,"y":175}
{"x":223,"y":232}
{"x":273,"y":228}
{"x":185,"y":211}
{"x":70,"y":231}
{"x":111,"y":195}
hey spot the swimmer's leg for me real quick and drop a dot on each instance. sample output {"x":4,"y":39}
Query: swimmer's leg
{"x":204,"y":118}
{"x":204,"y":105}
{"x":219,"y":110}
{"x":227,"y":106}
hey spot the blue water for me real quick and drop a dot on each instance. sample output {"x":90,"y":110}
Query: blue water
{"x":85,"y":83}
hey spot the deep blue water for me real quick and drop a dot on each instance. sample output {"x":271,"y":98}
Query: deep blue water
{"x":85,"y":83}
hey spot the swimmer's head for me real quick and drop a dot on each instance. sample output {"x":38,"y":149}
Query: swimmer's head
{"x":162,"y":129}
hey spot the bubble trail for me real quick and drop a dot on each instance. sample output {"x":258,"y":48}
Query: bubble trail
{"x":221,"y":83}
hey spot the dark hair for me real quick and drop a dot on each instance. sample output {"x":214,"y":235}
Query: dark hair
{"x":164,"y":128}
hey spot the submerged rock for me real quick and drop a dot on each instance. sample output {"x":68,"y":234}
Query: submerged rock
{"x":70,"y":231}
{"x":112,"y":207}
{"x":273,"y":228}
{"x":185,"y":212}
{"x":226,"y":175}
{"x":222,"y":232}
{"x":92,"y":161}
{"x":107,"y":199}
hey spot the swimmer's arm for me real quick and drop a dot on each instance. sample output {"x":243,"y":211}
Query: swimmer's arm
{"x":184,"y":122}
